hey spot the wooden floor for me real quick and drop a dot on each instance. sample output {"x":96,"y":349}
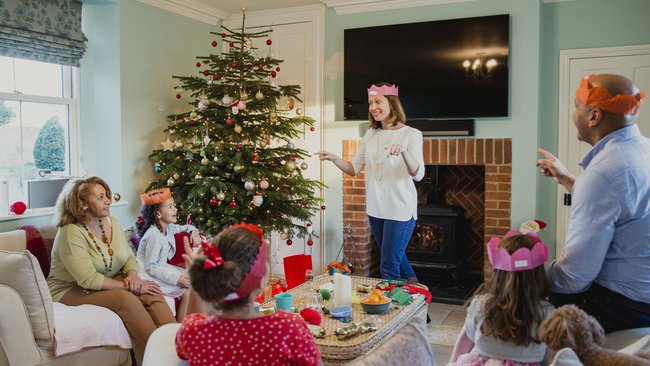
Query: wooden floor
{"x":446,"y":323}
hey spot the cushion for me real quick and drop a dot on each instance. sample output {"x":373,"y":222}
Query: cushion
{"x":36,"y":246}
{"x":13,"y":241}
{"x":83,"y":326}
{"x":177,"y":259}
{"x":566,"y":357}
{"x":161,"y":347}
{"x":22,"y":272}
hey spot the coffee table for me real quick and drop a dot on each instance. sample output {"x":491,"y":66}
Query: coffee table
{"x":335,"y":351}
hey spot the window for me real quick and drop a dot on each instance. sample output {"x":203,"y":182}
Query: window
{"x":38,"y":119}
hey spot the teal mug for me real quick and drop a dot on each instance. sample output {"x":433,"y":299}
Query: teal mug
{"x":283,"y":301}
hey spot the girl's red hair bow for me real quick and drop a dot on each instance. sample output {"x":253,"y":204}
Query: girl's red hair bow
{"x":213,"y":255}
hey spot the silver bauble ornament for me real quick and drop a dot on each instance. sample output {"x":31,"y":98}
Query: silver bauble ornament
{"x":237,"y":168}
{"x":290,"y":145}
{"x":249,"y":185}
{"x":221,"y":196}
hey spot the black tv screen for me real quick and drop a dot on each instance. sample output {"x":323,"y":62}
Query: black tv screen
{"x":433,"y":64}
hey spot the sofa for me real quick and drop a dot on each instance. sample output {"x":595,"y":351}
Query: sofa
{"x":36,"y":331}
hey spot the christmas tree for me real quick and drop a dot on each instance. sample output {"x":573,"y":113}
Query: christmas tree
{"x":231,"y":158}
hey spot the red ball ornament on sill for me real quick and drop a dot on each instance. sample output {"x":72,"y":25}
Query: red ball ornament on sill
{"x":310,"y":242}
{"x":269,"y":42}
{"x":214,"y":43}
{"x":289,"y":242}
{"x":18,"y":208}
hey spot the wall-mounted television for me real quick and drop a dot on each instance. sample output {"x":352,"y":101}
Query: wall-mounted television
{"x":433,"y":63}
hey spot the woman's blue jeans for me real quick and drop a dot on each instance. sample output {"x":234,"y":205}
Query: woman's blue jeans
{"x":392,"y":237}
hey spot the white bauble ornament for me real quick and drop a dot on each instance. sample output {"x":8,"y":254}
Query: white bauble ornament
{"x":205,"y":161}
{"x":257,"y":200}
{"x":264,"y":184}
{"x":259,"y":95}
{"x":284,"y":236}
{"x":249,"y":185}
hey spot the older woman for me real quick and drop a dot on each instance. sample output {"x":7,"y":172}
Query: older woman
{"x":93,"y":264}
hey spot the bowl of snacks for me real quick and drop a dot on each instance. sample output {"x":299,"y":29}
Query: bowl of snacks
{"x":375,"y":303}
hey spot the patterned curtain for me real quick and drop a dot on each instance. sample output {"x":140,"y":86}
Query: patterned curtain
{"x":42,"y":30}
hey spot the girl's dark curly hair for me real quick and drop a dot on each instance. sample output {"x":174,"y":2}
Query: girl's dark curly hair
{"x":513,"y":306}
{"x":239,"y":248}
{"x":148,"y":214}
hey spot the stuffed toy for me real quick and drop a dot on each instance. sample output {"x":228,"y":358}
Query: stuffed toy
{"x":532,"y":225}
{"x":570,"y":327}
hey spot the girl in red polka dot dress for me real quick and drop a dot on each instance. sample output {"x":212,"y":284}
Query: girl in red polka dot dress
{"x":232,"y":271}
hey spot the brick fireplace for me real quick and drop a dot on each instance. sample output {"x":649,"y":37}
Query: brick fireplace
{"x":487,"y":206}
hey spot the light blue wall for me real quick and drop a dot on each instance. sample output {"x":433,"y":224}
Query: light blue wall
{"x":521,"y":126}
{"x":574,"y":25}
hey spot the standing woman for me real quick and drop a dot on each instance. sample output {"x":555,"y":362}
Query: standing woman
{"x":391,"y":153}
{"x":93,"y":264}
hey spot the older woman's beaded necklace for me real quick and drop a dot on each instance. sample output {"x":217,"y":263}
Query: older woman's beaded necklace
{"x":107,"y":266}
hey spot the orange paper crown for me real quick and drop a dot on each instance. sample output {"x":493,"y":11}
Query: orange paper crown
{"x":599,"y":97}
{"x":155,"y":196}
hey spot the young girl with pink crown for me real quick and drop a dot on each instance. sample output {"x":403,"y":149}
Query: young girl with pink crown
{"x":504,"y":314}
{"x":232,"y":271}
{"x":157,"y":229}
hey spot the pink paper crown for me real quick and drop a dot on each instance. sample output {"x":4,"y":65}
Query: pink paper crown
{"x":382,"y":90}
{"x":522,"y":259}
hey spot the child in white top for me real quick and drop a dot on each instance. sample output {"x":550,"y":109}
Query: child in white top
{"x":157,"y":229}
{"x":503,"y":317}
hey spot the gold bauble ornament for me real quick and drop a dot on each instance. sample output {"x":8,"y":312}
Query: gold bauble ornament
{"x":298,"y":111}
{"x":117,"y":197}
{"x":205,"y":161}
{"x":237,"y":168}
{"x":259,"y":95}
{"x":304,"y":166}
{"x":238,"y":129}
{"x":176,"y":176}
{"x":290,"y":166}
{"x":244,"y":96}
{"x":171,"y":182}
{"x":221,"y":196}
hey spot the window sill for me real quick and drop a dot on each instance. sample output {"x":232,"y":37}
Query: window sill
{"x":43,"y":212}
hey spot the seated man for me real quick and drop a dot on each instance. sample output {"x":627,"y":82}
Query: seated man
{"x":605,"y":265}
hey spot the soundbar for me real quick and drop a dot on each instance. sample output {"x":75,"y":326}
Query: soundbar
{"x":443,"y":127}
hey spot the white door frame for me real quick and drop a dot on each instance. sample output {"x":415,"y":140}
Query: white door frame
{"x":314,"y":14}
{"x":565,"y":104}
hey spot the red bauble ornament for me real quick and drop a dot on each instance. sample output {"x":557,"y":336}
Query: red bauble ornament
{"x":293,"y":157}
{"x":233,"y":203}
{"x":215,"y":77}
{"x":223,"y":35}
{"x":312,"y":128}
{"x":256,"y":157}
{"x":192,"y":122}
{"x":239,"y":146}
{"x":261,"y":67}
{"x":18,"y":207}
{"x":206,"y":72}
{"x":178,"y":96}
{"x":268,"y":42}
{"x":214,"y":43}
{"x":277,"y":69}
{"x":289,"y":241}
{"x":229,"y":121}
{"x":274,"y":74}
{"x":232,"y":44}
{"x":198,"y":64}
{"x":234,"y":64}
{"x":277,"y":288}
{"x":213,"y":202}
{"x":310,"y":242}
{"x":304,"y":202}
{"x":274,"y":164}
{"x":323,"y":207}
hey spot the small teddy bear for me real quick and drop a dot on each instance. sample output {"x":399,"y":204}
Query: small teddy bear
{"x":569,"y":326}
